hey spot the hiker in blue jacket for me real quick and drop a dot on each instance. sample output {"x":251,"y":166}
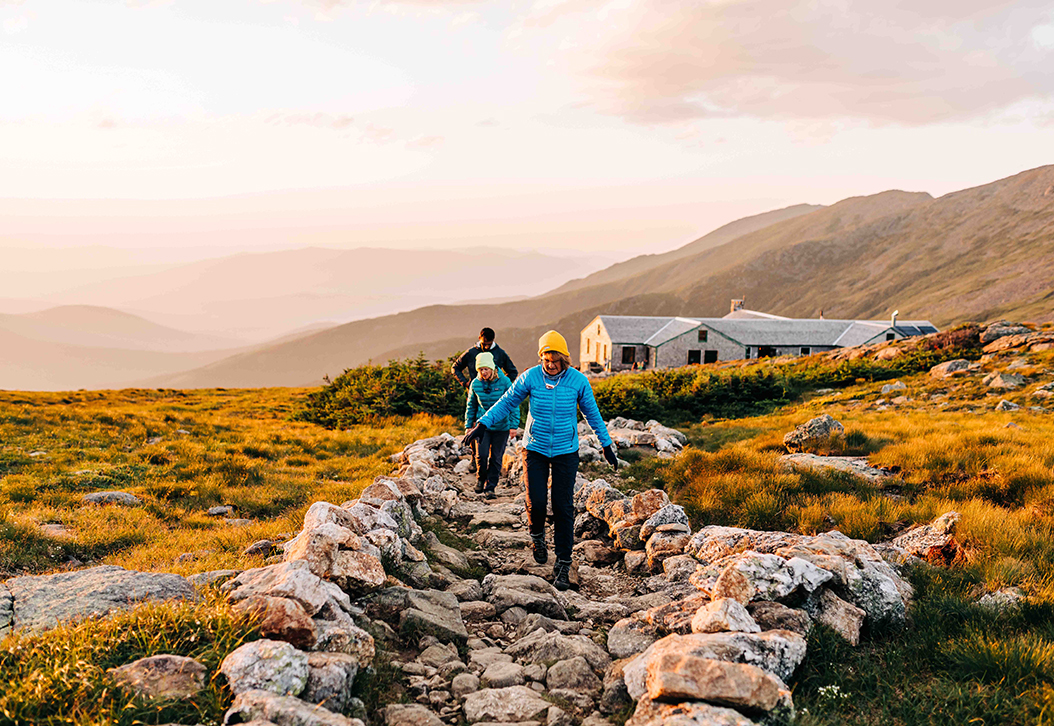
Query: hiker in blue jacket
{"x":557,"y":392}
{"x":486,"y":388}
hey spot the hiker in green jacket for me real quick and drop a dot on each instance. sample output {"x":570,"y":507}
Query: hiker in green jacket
{"x":485,"y":389}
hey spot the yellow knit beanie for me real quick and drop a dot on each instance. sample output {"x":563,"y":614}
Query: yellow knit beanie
{"x":552,"y":341}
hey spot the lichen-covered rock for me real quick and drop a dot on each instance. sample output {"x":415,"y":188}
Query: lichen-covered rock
{"x":329,"y":680}
{"x":723,"y":614}
{"x":671,"y":518}
{"x":161,"y":676}
{"x":259,"y":705}
{"x":280,"y":618}
{"x":714,"y":542}
{"x":267,"y":665}
{"x":531,"y":593}
{"x":543,"y":647}
{"x":839,"y":616}
{"x":293,"y":580}
{"x":775,"y":651}
{"x":688,"y":713}
{"x":504,"y":705}
{"x":435,"y":613}
{"x":813,"y":434}
{"x":951,"y":368}
{"x":41,"y":602}
{"x":934,"y":542}
{"x":672,"y":677}
{"x":662,"y":545}
{"x":861,"y":575}
{"x":357,"y":572}
{"x":318,"y":546}
{"x":1000,"y":329}
{"x":756,"y":576}
{"x":573,"y":674}
{"x":363,"y":518}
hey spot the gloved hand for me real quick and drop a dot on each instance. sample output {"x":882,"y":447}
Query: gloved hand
{"x":609,"y":454}
{"x":472,"y":434}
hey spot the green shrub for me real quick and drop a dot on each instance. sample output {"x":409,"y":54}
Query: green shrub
{"x":369,"y":393}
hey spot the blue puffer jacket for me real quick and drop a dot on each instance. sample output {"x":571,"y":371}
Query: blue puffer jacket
{"x":484,"y":394}
{"x":552,"y":426}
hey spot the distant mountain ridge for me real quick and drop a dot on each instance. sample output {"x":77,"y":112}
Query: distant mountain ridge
{"x":972,"y":254}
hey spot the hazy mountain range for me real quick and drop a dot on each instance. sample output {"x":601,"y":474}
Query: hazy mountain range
{"x":974,"y":254}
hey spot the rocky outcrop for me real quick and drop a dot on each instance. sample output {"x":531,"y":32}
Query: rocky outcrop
{"x":43,"y":601}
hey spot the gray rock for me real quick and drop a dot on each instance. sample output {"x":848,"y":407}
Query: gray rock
{"x":721,"y":615}
{"x":444,"y":555}
{"x":531,"y":593}
{"x":776,"y":651}
{"x":7,"y":610}
{"x":42,"y":602}
{"x":934,"y":542}
{"x":672,"y":515}
{"x":1002,"y":600}
{"x":212,"y":577}
{"x":400,"y":714}
{"x":121,"y":498}
{"x":220,"y":511}
{"x":688,"y":713}
{"x":437,"y":654}
{"x":293,"y":580}
{"x":464,"y":684}
{"x":951,"y":368}
{"x":855,"y":465}
{"x":465,"y":590}
{"x":267,"y":665}
{"x":502,"y":675}
{"x":630,"y":636}
{"x":777,"y":616}
{"x":504,"y":705}
{"x":534,"y":621}
{"x":259,"y":705}
{"x":477,"y":611}
{"x":1006,"y":405}
{"x":1004,"y":381}
{"x":161,"y":676}
{"x":894,"y":386}
{"x":435,"y":613}
{"x":488,"y":656}
{"x":839,"y":616}
{"x":542,"y":647}
{"x":329,"y":680}
{"x":573,"y":674}
{"x":813,"y":433}
{"x":260,"y":547}
{"x":1001,"y":329}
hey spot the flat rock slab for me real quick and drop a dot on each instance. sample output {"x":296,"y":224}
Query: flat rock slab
{"x":853,"y":465}
{"x":258,"y":705}
{"x":504,"y":705}
{"x":43,"y":602}
{"x":121,"y":498}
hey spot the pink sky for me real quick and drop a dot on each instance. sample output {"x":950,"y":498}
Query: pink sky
{"x":610,"y":127}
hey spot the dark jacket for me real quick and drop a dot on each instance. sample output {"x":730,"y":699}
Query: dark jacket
{"x":468,"y":360}
{"x":484,"y":394}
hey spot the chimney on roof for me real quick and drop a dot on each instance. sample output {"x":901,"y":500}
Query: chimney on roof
{"x":737,"y":305}
{"x":893,"y":319}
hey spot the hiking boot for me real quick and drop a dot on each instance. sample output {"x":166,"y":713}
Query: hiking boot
{"x":562,"y":575}
{"x":472,"y":466}
{"x":489,"y":494}
{"x":541,"y":552}
{"x":480,"y":486}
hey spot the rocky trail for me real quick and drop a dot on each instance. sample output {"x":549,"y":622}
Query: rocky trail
{"x":425,"y":583}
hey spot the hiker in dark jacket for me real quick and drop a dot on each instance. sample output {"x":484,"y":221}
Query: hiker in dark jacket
{"x":484,"y":391}
{"x":550,"y":441}
{"x":486,"y":344}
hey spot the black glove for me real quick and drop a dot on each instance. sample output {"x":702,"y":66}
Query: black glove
{"x":473,"y":434}
{"x":609,"y":454}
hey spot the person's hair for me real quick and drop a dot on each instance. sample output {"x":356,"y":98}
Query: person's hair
{"x":565,"y":360}
{"x":487,"y":334}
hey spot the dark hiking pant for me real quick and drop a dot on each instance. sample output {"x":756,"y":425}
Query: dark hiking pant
{"x":564,"y":470}
{"x":490,"y":450}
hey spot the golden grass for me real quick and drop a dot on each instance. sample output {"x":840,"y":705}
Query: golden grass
{"x":180,"y":452}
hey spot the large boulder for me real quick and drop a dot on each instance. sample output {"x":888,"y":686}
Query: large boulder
{"x":839,"y":616}
{"x":267,"y":665}
{"x":41,"y":602}
{"x":952,"y":368}
{"x":1000,"y":329}
{"x":319,"y":545}
{"x":756,"y":576}
{"x":714,"y":542}
{"x":813,"y":434}
{"x":1004,"y":381}
{"x":672,"y":677}
{"x":775,"y":651}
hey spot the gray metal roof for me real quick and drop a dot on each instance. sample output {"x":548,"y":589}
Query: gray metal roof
{"x":755,"y":331}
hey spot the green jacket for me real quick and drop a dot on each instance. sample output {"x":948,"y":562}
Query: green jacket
{"x":484,"y":394}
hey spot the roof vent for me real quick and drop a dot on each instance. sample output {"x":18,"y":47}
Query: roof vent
{"x":737,"y":305}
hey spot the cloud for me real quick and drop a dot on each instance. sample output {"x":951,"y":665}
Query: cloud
{"x":927,"y":61}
